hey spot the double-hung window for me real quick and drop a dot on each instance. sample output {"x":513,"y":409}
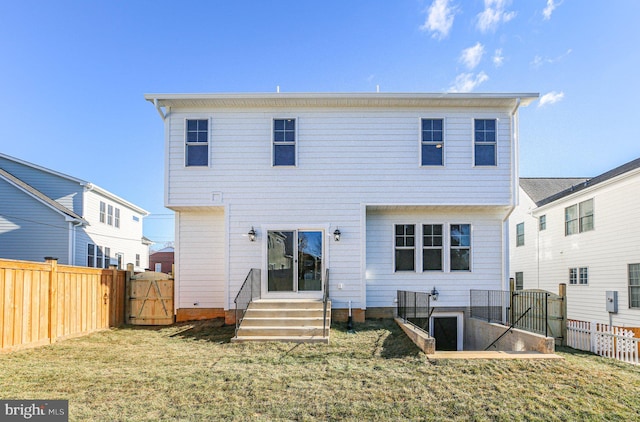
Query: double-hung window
{"x":99,"y":255}
{"x":91,"y":255}
{"x":460,"y":247}
{"x":103,"y":212}
{"x":110,"y":215}
{"x":405,"y":247}
{"x":542,"y":223}
{"x":486,"y":142}
{"x":284,"y":142}
{"x":197,"y":143}
{"x":520,"y":234}
{"x":432,"y":142}
{"x":634,"y":285}
{"x":116,"y":220}
{"x":586,"y":215}
{"x":107,"y":257}
{"x":578,"y":217}
{"x":432,"y":247}
{"x":519,"y":281}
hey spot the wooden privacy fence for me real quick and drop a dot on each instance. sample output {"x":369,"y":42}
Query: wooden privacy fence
{"x":150,"y":299}
{"x":604,"y":340}
{"x":41,"y":303}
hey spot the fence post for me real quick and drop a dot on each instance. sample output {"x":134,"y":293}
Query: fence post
{"x":53,"y":298}
{"x":594,"y":333}
{"x":562,"y":292}
{"x":127,"y":289}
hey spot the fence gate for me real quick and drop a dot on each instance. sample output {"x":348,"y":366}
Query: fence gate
{"x":150,"y":299}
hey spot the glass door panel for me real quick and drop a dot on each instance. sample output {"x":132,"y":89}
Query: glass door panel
{"x":281,"y":265}
{"x":309,"y":261}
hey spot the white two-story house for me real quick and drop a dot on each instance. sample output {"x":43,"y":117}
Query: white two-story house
{"x":388,"y":191}
{"x":582,"y":232}
{"x":45,"y":213}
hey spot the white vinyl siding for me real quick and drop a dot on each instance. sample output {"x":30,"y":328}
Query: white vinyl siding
{"x":200,"y":259}
{"x":606,"y":250}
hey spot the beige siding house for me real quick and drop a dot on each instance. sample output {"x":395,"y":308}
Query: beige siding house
{"x":419,"y":187}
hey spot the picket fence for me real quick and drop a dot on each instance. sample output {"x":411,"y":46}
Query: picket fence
{"x":604,"y":340}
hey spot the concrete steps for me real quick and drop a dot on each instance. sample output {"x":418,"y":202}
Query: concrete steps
{"x":293,"y":320}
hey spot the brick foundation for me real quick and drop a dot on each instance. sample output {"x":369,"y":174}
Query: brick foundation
{"x":195,"y":314}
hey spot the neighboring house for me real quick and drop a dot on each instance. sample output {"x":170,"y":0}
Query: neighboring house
{"x":418,"y":187}
{"x":161,"y":261}
{"x":47,"y":213}
{"x":584,"y":233}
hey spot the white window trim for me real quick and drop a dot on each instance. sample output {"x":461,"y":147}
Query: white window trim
{"x":417,"y":246}
{"x":578,"y":277}
{"x":460,"y":320}
{"x":209,"y":143}
{"x":444,"y":248}
{"x":473,"y":142}
{"x":470,"y":270}
{"x":444,"y":142}
{"x":295,"y":143}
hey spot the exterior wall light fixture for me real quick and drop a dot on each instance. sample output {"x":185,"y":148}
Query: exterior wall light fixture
{"x":434,"y":293}
{"x":252,"y":235}
{"x":336,"y":235}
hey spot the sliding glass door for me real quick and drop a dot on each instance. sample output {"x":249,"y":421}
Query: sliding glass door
{"x":294,"y":260}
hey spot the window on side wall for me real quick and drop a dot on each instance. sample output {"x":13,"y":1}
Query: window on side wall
{"x":103,"y":212}
{"x":586,"y":215}
{"x":91,"y":255}
{"x":107,"y":257}
{"x":542,"y":223}
{"x":405,"y":247}
{"x":460,"y":247}
{"x":432,"y":148}
{"x":197,"y":143}
{"x":520,"y":234}
{"x":519,"y":282}
{"x":571,"y":220}
{"x":634,"y":286}
{"x":116,"y":221}
{"x":485,"y":142}
{"x":432,"y":247}
{"x":579,"y":276}
{"x":284,"y":142}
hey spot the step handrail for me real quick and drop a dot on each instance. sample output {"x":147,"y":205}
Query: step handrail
{"x":325,"y":300}
{"x":249,"y":291}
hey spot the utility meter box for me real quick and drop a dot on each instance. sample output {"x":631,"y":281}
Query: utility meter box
{"x":612,"y":301}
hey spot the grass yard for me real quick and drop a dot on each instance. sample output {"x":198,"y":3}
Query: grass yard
{"x":192,"y":372}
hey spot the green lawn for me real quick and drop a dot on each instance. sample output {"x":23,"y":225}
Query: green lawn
{"x":176,"y":373}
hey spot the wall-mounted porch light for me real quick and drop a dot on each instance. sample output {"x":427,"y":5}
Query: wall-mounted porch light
{"x":336,"y":235}
{"x":434,"y":293}
{"x":252,"y":235}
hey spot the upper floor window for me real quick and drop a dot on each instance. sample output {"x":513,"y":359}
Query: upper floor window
{"x":485,"y":142}
{"x":542,"y":223}
{"x":284,"y":142}
{"x":197,"y":143}
{"x":578,"y":217}
{"x":432,"y":142}
{"x":432,"y":247}
{"x":460,"y":253}
{"x":103,"y":212}
{"x":405,"y":247}
{"x":116,"y":220}
{"x":520,"y":234}
{"x":110,"y":215}
{"x":634,"y":285}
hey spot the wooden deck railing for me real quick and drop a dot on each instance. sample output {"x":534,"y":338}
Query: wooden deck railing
{"x":41,"y":303}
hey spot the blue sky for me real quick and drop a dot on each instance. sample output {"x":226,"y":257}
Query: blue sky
{"x":73,"y":73}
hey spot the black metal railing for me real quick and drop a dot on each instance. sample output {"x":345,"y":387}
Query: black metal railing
{"x":525,"y":310}
{"x":415,"y":307}
{"x":249,"y":291}
{"x":325,"y":301}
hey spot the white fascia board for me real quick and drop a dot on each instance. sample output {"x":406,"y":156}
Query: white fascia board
{"x":114,"y":197}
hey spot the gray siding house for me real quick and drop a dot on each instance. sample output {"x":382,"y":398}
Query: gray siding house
{"x":47,"y":213}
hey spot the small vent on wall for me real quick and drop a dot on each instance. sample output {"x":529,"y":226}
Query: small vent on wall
{"x":216,"y":197}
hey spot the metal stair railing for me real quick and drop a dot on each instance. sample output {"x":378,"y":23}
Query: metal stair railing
{"x":249,"y":291}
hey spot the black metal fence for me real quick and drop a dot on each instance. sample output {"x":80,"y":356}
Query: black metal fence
{"x":525,"y":310}
{"x":415,"y":307}
{"x":249,"y":291}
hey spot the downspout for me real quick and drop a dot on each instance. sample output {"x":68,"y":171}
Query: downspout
{"x":515,"y":183}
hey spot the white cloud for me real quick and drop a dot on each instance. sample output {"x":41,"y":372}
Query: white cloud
{"x":551,"y":98}
{"x":539,"y":60}
{"x":498,"y":58}
{"x":551,"y":6}
{"x":471,"y":56}
{"x":493,"y":14}
{"x":439,"y":19}
{"x":467,"y":82}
